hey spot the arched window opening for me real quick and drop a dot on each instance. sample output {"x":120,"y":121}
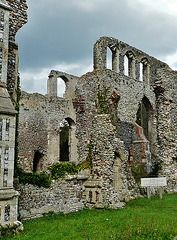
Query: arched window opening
{"x":109,"y":58}
{"x":68,"y":141}
{"x":129,"y":65}
{"x":37,"y":161}
{"x":143,"y":116}
{"x":64,"y":141}
{"x":141,"y":72}
{"x":61,"y":87}
{"x":126,"y":68}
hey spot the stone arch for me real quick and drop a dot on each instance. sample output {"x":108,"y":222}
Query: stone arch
{"x":145,"y":117}
{"x":129,"y":64}
{"x":69,"y":81}
{"x":61,"y":87}
{"x":100,"y":53}
{"x":144,"y":70}
{"x":114,"y":57}
{"x":72,"y":141}
{"x":53,"y":84}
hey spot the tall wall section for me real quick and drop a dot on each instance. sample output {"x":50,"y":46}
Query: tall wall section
{"x":130,"y":93}
{"x":40,"y":119}
{"x":166,"y":101}
{"x":102,"y":107}
{"x":8,"y":81}
{"x":39,"y":126}
{"x":142,"y":67}
{"x":18,"y":17}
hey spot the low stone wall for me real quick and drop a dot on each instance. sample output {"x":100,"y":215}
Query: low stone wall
{"x":62,"y":196}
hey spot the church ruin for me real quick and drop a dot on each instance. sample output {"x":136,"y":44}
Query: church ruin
{"x":122,"y":118}
{"x":127,"y":114}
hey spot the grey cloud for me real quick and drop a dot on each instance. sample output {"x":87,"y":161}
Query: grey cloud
{"x":61,"y":31}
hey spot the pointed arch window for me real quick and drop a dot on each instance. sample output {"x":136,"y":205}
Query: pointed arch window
{"x":129,"y":64}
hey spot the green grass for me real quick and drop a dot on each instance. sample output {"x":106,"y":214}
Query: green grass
{"x":140,"y":219}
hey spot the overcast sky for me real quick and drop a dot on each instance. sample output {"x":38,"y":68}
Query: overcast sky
{"x":60,"y":34}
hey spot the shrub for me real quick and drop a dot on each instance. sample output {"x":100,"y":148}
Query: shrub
{"x":40,"y":179}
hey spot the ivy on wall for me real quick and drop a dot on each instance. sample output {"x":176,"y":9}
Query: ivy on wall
{"x":108,"y":104}
{"x":39,"y":179}
{"x":101,"y":102}
{"x":56,"y":171}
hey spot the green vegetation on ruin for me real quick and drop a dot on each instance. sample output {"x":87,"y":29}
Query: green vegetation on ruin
{"x":141,"y":219}
{"x":101,"y":103}
{"x":56,"y":171}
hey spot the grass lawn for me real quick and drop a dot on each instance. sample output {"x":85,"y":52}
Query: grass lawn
{"x":140,"y":219}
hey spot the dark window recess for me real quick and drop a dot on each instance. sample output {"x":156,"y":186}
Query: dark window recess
{"x":64,"y":142}
{"x":37,"y":166}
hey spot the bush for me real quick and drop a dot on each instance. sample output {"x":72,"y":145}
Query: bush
{"x":58,"y":170}
{"x":40,"y":179}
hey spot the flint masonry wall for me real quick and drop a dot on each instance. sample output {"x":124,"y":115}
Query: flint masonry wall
{"x":165,"y":89}
{"x":110,"y":180}
{"x":131,"y":93}
{"x":63,"y":196}
{"x":18,"y":17}
{"x":135,"y":56}
{"x":163,"y":80}
{"x":109,"y":183}
{"x":39,"y":125}
{"x":111,"y":135}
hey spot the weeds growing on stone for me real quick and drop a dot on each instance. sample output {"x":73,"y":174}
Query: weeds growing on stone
{"x":140,"y":219}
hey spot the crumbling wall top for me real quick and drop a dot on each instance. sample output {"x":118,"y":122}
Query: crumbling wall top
{"x":119,"y":49}
{"x":18,"y":16}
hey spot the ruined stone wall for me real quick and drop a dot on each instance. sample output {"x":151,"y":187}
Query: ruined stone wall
{"x":135,"y":56}
{"x":109,"y":183}
{"x":165,"y":89}
{"x":111,"y":135}
{"x":18,"y":17}
{"x":39,"y":125}
{"x":110,"y":180}
{"x":63,"y":196}
{"x":131,"y":93}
